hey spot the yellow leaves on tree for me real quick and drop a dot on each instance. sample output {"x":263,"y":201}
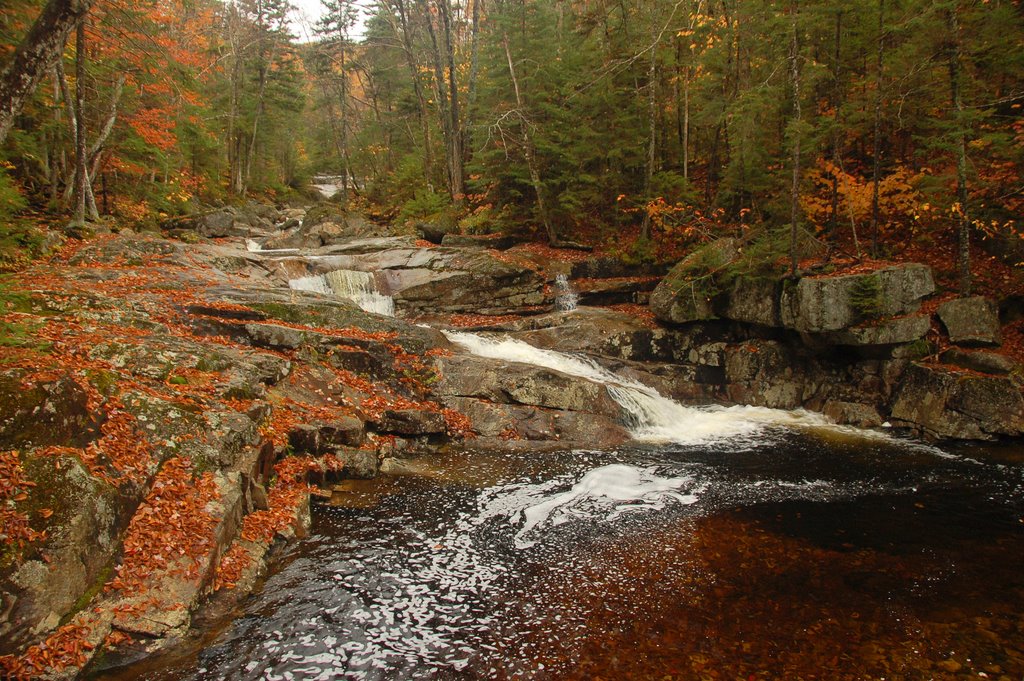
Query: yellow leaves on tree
{"x":900,"y":204}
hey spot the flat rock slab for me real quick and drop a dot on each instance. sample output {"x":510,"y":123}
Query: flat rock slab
{"x":821,"y":304}
{"x":885,"y":332}
{"x":979,"y":360}
{"x":409,"y":422}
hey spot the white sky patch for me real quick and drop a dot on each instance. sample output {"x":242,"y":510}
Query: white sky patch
{"x":306,"y":13}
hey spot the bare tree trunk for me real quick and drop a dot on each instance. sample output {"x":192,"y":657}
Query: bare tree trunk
{"x":963,"y":253}
{"x":531,"y":161}
{"x":833,"y":220}
{"x":233,"y":147}
{"x":107,"y":128}
{"x":410,"y":59}
{"x":474,"y":68}
{"x":652,"y":75}
{"x":441,"y":96}
{"x":455,"y":156}
{"x":81,"y":176}
{"x":34,"y":55}
{"x":794,"y":69}
{"x":877,"y":140}
{"x":56,"y":152}
{"x":260,"y":94}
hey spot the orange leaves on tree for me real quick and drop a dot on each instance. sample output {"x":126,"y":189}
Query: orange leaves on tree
{"x":156,"y":126}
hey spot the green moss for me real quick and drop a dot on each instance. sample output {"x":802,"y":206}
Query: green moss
{"x":919,"y":349}
{"x":213,"y":362}
{"x":177,"y":380}
{"x":104,"y":381}
{"x":866,"y":296}
{"x":97,"y":585}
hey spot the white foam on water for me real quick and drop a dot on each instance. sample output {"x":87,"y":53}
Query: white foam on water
{"x":254,"y":246}
{"x":359,"y":287}
{"x":653,"y":417}
{"x":603,"y":494}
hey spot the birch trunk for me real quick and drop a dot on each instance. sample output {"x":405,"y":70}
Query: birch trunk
{"x":34,"y":55}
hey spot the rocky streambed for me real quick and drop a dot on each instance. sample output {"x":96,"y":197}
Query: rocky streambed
{"x":170,"y":405}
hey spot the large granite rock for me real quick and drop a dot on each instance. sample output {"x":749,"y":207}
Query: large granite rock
{"x":971,"y":321}
{"x":315,"y":233}
{"x":686,"y":292}
{"x":226,"y":222}
{"x":953,"y":405}
{"x":426,"y":280}
{"x":515,"y":383}
{"x":821,"y":304}
{"x":753,"y":300}
{"x":527,"y":422}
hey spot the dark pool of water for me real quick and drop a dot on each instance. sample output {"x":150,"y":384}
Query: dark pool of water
{"x":814,"y":556}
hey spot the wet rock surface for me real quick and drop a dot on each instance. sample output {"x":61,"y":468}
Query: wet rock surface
{"x":190,"y":381}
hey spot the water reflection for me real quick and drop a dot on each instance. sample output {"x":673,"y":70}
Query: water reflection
{"x":803,"y":557}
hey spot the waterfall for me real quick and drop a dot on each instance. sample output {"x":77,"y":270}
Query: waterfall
{"x":652,"y":417}
{"x":358,"y":287}
{"x":566,"y":299}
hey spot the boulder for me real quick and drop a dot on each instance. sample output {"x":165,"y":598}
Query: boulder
{"x":463,"y":281}
{"x":610,"y":267}
{"x":971,"y":321}
{"x":686,"y":292}
{"x":614,"y":291}
{"x":852,"y":413}
{"x":54,"y":412}
{"x":434,"y":232}
{"x":82,"y":537}
{"x":500,"y":242}
{"x":765,"y":373}
{"x":525,"y":422}
{"x":950,"y":404}
{"x":220,"y":223}
{"x":318,"y":230}
{"x":753,"y":300}
{"x":362,"y":464}
{"x":515,"y":383}
{"x":409,"y":422}
{"x":321,"y":437}
{"x":979,"y":360}
{"x":832,"y":303}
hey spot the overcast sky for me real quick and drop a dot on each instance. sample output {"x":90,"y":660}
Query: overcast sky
{"x":304,"y":18}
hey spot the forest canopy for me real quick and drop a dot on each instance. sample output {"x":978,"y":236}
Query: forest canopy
{"x":860,"y":124}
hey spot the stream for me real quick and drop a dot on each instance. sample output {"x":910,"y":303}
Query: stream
{"x":723,"y":543}
{"x":798,"y":554}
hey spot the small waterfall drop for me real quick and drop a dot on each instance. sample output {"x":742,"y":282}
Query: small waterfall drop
{"x":566,"y":299}
{"x":356,"y":286}
{"x":652,"y":417}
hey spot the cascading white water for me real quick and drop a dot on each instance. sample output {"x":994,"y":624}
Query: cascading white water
{"x":566,"y":299}
{"x":358,"y":287}
{"x":653,"y":417}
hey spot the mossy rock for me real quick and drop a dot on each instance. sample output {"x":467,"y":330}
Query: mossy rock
{"x":45,"y":414}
